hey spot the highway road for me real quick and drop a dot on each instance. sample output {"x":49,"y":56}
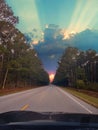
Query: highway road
{"x":45,"y":99}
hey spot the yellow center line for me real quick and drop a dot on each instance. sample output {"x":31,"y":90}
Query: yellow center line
{"x":24,"y":107}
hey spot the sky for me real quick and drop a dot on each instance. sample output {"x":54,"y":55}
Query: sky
{"x":52,"y":25}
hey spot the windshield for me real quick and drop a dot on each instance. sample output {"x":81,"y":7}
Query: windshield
{"x":49,"y":56}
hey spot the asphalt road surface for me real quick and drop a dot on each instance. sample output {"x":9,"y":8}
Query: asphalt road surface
{"x":45,"y":99}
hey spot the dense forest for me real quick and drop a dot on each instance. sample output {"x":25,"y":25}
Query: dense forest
{"x":78,"y":69}
{"x":19,"y":63}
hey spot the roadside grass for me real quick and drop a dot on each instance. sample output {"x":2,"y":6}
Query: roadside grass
{"x":7,"y":91}
{"x":85,"y":97}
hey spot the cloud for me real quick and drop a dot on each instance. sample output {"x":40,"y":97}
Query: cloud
{"x":35,"y":42}
{"x":87,"y":39}
{"x":52,"y":56}
{"x":53,"y":45}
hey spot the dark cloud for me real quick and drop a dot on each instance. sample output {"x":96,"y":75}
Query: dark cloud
{"x":87,"y":39}
{"x":54,"y":44}
{"x":51,"y":48}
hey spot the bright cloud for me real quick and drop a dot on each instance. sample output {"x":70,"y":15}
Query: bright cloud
{"x":52,"y":56}
{"x":35,"y":42}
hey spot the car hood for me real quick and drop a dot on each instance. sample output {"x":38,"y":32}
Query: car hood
{"x":25,"y":116}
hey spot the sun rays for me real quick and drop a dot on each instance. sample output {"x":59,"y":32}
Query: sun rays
{"x":75,"y":16}
{"x":27,"y":12}
{"x":84,"y":15}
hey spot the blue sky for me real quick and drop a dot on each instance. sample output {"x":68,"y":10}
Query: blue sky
{"x":69,"y":14}
{"x":78,"y":17}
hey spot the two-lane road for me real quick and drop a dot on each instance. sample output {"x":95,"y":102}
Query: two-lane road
{"x":45,"y":99}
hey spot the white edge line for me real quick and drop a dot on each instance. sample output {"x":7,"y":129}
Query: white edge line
{"x":75,"y":100}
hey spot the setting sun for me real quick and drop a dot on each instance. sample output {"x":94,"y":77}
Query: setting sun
{"x":51,"y":77}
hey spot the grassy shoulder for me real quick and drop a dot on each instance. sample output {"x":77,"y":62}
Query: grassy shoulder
{"x":91,"y":99}
{"x":7,"y":91}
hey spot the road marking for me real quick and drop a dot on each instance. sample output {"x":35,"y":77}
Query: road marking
{"x":75,"y":100}
{"x":24,"y":107}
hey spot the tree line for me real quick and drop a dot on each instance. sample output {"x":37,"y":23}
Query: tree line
{"x":78,"y":69}
{"x":19,"y":63}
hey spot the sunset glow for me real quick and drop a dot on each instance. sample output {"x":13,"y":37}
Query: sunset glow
{"x":51,"y":77}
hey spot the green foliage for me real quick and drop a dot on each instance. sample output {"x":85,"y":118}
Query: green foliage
{"x":66,"y":71}
{"x":19,"y":59}
{"x":92,"y":86}
{"x":78,"y":69}
{"x":80,"y":84}
{"x":6,"y":13}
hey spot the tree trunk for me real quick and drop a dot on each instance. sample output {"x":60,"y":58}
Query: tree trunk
{"x":5,"y":77}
